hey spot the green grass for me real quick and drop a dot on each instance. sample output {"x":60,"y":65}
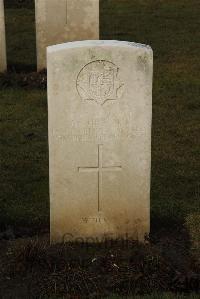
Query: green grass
{"x":172,"y":29}
{"x":24,"y":159}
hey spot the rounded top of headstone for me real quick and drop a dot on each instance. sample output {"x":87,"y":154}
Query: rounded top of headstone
{"x":93,"y":43}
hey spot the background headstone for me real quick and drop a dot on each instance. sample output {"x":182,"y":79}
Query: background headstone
{"x":62,"y":21}
{"x":3,"y":62}
{"x":100,"y":106}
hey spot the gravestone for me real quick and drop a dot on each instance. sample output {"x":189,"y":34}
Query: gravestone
{"x":3,"y":63}
{"x":100,"y":106}
{"x":62,"y":21}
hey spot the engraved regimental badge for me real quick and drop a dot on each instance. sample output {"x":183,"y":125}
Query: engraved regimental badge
{"x":99,"y":81}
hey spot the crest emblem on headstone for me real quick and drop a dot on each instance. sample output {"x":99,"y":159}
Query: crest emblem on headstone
{"x":99,"y":81}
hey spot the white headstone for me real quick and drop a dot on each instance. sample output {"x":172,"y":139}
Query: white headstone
{"x":3,"y":62}
{"x":62,"y":21}
{"x":100,"y":107}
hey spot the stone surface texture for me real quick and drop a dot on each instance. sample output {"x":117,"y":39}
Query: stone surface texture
{"x":62,"y":21}
{"x":3,"y":62}
{"x":100,"y":109}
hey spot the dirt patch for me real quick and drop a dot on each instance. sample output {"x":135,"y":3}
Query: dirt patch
{"x":95,"y":270}
{"x":25,"y":80}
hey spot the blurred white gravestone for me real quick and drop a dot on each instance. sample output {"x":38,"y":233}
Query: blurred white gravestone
{"x":100,"y":107}
{"x":62,"y":21}
{"x":3,"y":62}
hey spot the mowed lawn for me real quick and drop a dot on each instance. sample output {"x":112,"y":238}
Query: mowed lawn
{"x":172,"y":30}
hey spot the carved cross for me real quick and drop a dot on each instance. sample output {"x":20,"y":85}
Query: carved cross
{"x":99,"y":169}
